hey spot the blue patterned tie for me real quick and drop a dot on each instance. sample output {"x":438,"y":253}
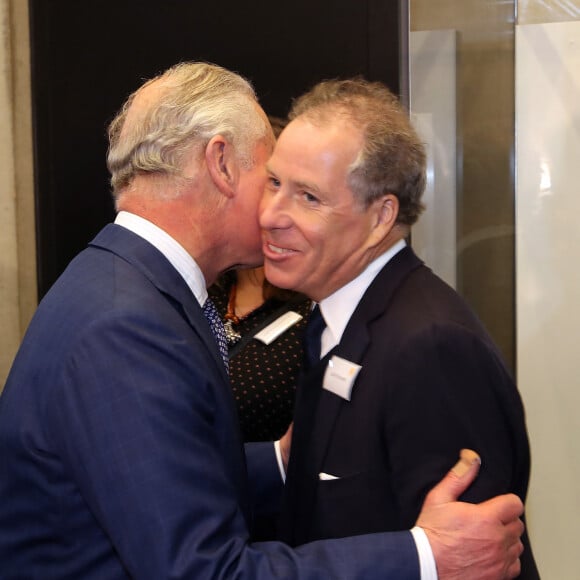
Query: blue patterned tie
{"x":312,"y":337}
{"x":217,"y":327}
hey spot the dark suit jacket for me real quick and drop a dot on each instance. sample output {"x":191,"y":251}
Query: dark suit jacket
{"x":120,"y":455}
{"x":431,"y":383}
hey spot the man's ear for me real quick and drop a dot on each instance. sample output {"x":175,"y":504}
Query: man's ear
{"x":384,"y":214}
{"x":222,"y":164}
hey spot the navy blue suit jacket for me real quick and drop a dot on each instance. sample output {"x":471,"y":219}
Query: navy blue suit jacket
{"x":120,"y":454}
{"x":431,"y":382}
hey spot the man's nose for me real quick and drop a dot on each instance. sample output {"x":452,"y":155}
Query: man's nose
{"x":273,"y":211}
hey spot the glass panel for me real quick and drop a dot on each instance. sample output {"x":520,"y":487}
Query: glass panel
{"x":548,"y":252}
{"x":543,"y":11}
{"x":462,"y":100}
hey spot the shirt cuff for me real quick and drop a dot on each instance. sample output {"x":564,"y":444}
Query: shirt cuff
{"x":426,"y":558}
{"x":280,"y":462}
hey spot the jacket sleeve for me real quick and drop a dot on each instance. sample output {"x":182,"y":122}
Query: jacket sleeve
{"x":145,"y":423}
{"x":453,"y":391}
{"x":265,"y":479}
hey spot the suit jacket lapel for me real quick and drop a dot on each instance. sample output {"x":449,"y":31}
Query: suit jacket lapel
{"x":159,"y":271}
{"x":374,"y":303}
{"x":355,"y":342}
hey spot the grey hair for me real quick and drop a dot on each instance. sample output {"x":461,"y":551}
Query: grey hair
{"x":196,"y":101}
{"x":392,"y":158}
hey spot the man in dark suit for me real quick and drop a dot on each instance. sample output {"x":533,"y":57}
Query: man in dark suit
{"x":406,"y":373}
{"x":120,"y":453}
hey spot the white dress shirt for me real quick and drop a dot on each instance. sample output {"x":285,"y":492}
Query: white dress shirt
{"x":338,"y":308}
{"x":177,"y":255}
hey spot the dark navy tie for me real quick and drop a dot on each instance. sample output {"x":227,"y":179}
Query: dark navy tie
{"x":312,"y":337}
{"x":217,"y":327}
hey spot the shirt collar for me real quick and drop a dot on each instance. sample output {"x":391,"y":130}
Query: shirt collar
{"x":338,"y":308}
{"x":177,"y":255}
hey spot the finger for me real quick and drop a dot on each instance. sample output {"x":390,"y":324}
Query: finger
{"x":515,"y":529}
{"x":514,"y":566}
{"x":506,"y":508}
{"x":514,"y":570}
{"x":457,"y":480}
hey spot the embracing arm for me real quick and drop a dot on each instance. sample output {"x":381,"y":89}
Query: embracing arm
{"x":143,"y":422}
{"x":476,"y":541}
{"x":267,"y":463}
{"x":472,"y":541}
{"x":147,"y":428}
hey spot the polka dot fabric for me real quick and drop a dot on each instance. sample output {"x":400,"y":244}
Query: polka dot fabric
{"x":263,"y":376}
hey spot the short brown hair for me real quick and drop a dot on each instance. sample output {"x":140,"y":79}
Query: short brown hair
{"x":392,"y":159}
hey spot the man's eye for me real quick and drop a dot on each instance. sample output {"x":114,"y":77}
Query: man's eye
{"x":274,"y":182}
{"x":309,"y":197}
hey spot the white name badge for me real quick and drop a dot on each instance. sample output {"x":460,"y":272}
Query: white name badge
{"x":271,"y":332}
{"x":340,"y":376}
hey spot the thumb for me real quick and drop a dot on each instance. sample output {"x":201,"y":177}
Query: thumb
{"x":457,"y":480}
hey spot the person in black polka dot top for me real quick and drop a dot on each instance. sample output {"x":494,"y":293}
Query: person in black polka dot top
{"x":263,"y":376}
